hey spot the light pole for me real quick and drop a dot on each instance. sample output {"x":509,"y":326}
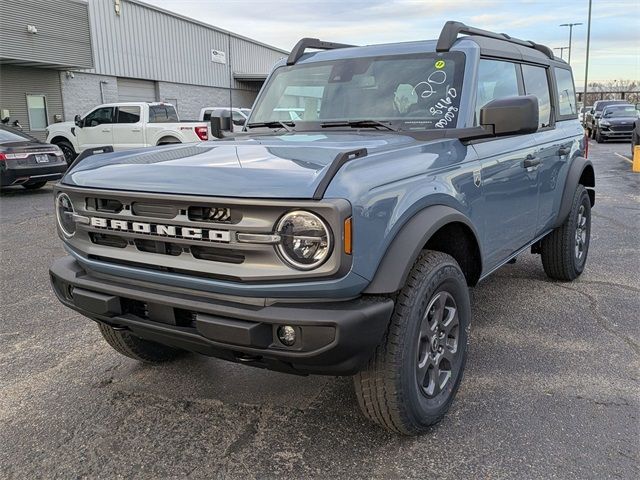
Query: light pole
{"x":562,"y":49}
{"x":586,"y":66}
{"x":570,"y":25}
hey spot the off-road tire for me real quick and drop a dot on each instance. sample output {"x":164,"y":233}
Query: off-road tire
{"x":387,"y":388}
{"x":34,"y":186}
{"x":559,"y":248}
{"x":137,"y":348}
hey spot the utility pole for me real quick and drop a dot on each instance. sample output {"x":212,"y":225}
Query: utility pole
{"x":586,"y":64}
{"x":571,"y":25}
{"x":562,"y":49}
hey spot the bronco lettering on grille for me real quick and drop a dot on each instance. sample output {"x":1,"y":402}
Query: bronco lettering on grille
{"x":161,"y":230}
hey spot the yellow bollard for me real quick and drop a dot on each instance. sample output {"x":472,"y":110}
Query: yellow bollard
{"x":636,"y":159}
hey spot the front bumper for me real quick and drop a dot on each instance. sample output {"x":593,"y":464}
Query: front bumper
{"x":24,"y":175}
{"x":612,"y":133}
{"x":333,"y":338}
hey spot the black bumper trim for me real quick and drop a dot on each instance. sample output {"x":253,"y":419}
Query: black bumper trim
{"x":334,"y":338}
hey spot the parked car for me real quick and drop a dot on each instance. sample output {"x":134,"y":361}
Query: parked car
{"x":616,"y":122}
{"x":125,"y":126}
{"x":26,"y":161}
{"x":238,"y":115}
{"x":344,"y":243}
{"x":635,"y":136}
{"x":593,"y":115}
{"x":583,"y":112}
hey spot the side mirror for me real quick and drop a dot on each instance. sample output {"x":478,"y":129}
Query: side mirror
{"x":219,"y":125}
{"x":511,"y":115}
{"x":78,"y":121}
{"x":239,"y":122}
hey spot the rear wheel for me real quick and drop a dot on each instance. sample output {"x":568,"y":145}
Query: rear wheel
{"x":564,"y":251}
{"x":411,"y":380}
{"x":34,"y":186}
{"x":137,"y":348}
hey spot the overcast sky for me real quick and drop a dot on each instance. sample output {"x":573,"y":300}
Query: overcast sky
{"x":615,"y":32}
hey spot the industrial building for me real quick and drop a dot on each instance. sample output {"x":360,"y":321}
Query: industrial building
{"x":59,"y":58}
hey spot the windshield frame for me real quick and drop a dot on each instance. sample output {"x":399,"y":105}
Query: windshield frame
{"x":395,"y":124}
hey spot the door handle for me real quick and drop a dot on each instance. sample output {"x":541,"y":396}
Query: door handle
{"x":136,"y":130}
{"x":531,"y":161}
{"x":106,"y":130}
{"x":564,"y":151}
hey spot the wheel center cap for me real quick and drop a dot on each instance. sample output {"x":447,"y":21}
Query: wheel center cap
{"x":434,"y":344}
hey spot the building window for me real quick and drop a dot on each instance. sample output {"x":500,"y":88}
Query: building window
{"x":37,"y":111}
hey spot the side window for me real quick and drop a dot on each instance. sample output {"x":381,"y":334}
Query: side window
{"x":98,"y":117}
{"x":566,"y":92}
{"x":128,"y":115}
{"x":496,"y":79}
{"x":162,"y":114}
{"x":536,"y":83}
{"x":37,"y":111}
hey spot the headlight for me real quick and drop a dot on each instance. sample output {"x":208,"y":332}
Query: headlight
{"x":305,"y":240}
{"x":604,"y":123}
{"x":64,"y":214}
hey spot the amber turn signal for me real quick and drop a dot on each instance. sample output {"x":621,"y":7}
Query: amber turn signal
{"x":348,"y":236}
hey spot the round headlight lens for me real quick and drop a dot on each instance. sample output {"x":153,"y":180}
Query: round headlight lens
{"x":305,"y":240}
{"x":64,"y":214}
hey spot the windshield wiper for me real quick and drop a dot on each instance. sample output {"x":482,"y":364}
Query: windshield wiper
{"x":274,"y":124}
{"x":359,"y":124}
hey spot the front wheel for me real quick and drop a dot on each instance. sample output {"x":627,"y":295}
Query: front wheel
{"x":122,"y":341}
{"x":68,"y":151}
{"x":598,"y":136}
{"x":564,"y":251}
{"x":414,"y":374}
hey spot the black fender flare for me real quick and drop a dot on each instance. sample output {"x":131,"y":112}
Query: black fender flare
{"x":579,"y":168}
{"x":404,"y":249}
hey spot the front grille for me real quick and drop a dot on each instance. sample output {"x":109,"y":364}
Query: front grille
{"x":105,"y":205}
{"x":154,"y":210}
{"x":210,"y":214}
{"x":154,"y":246}
{"x":108,"y":240}
{"x":621,"y":128}
{"x":216,"y":254}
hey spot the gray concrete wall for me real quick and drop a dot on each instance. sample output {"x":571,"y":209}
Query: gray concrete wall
{"x":191,"y":98}
{"x":82,"y":92}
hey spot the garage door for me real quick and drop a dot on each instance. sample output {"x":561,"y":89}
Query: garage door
{"x":131,"y":90}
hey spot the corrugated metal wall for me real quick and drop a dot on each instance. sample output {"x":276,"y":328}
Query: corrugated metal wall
{"x":144,"y":42}
{"x":62,"y":37}
{"x":17,"y":82}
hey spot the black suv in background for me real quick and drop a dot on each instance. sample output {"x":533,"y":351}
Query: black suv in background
{"x":592,"y":117}
{"x":616,"y":122}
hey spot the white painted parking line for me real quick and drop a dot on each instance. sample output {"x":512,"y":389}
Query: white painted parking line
{"x":623,"y":157}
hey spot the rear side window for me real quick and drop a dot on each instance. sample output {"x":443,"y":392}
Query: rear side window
{"x":566,"y":92}
{"x":536,"y":83}
{"x":496,"y":79}
{"x":128,"y":115}
{"x":162,"y":114}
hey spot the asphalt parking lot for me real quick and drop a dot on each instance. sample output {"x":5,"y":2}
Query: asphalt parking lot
{"x":552,"y":388}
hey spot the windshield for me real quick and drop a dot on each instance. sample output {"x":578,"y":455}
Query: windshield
{"x":8,"y":136}
{"x":411,"y":92}
{"x":620,"y":111}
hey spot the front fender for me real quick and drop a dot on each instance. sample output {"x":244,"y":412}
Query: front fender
{"x":409,"y":242}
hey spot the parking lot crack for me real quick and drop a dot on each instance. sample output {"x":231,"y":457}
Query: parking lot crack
{"x":603,"y":321}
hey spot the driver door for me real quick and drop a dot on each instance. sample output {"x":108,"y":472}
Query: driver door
{"x":96,"y":130}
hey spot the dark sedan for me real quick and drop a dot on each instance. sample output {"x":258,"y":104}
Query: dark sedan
{"x":27,"y":161}
{"x":616,"y":123}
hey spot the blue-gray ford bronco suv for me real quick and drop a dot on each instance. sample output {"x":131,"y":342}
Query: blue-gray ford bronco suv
{"x":339,"y":233}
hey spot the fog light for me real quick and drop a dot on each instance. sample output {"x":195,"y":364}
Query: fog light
{"x":287,"y":335}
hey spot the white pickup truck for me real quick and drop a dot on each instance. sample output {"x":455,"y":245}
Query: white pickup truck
{"x":124,"y":126}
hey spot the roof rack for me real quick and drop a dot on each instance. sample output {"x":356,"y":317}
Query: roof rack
{"x":451,"y":30}
{"x":305,"y":43}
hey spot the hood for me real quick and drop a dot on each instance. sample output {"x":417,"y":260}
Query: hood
{"x":275,"y":166}
{"x":620,"y":120}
